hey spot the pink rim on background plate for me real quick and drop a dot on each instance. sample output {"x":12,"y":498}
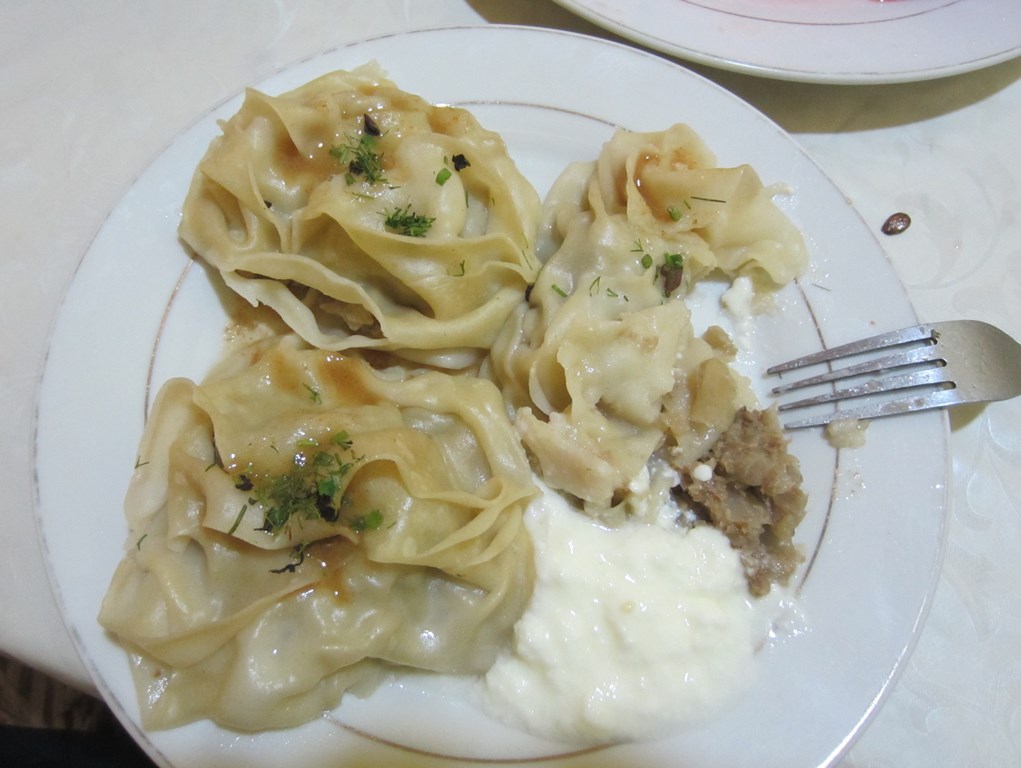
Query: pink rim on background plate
{"x":875,"y":529}
{"x":833,"y":41}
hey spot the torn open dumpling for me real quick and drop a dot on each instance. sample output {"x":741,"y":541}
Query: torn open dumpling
{"x":617,"y":397}
{"x":367,"y":217}
{"x":300,"y":523}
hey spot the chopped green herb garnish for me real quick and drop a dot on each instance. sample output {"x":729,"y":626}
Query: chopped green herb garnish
{"x":443,"y":176}
{"x":646,"y":260}
{"x":460,"y":272}
{"x":237,"y":520}
{"x":595,"y":287}
{"x":312,"y":490}
{"x":327,"y":486}
{"x":557,"y":289}
{"x":138,"y":544}
{"x":314,"y":394}
{"x":361,"y":157}
{"x":406,"y":222}
{"x":298,"y":555}
{"x":674,"y":213}
{"x":369,"y":522}
{"x":707,"y":199}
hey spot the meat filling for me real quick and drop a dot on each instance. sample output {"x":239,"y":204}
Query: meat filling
{"x":754,"y":496}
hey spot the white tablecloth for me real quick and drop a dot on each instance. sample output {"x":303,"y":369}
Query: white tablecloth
{"x":91,"y":91}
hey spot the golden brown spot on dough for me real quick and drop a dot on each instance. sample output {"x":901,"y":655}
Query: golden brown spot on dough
{"x":346,"y":375}
{"x":282,"y":374}
{"x":306,"y":167}
{"x":332,"y":556}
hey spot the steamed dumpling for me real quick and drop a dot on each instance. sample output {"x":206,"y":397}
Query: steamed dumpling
{"x":367,"y":218}
{"x":301,"y":522}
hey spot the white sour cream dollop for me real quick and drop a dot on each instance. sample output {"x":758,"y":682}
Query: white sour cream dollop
{"x":630,"y":631}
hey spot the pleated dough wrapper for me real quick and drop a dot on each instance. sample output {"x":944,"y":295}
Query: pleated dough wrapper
{"x":602,"y":363}
{"x":217,"y":623}
{"x":292,"y":226}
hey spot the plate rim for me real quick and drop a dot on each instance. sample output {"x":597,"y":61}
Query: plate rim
{"x":45,"y":373}
{"x":758,"y":68}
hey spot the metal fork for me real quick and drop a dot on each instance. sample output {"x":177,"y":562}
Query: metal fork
{"x":941,"y":364}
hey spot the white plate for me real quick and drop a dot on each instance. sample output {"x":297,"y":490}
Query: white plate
{"x":137,"y":312}
{"x":826,"y":41}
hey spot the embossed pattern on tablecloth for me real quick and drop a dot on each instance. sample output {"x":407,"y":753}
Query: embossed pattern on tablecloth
{"x":93,"y":91}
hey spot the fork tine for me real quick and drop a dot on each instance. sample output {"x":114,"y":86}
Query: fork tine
{"x":928,"y":377}
{"x":902,"y":359}
{"x":939,"y":399}
{"x":882,"y":340}
{"x":966,"y":361}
